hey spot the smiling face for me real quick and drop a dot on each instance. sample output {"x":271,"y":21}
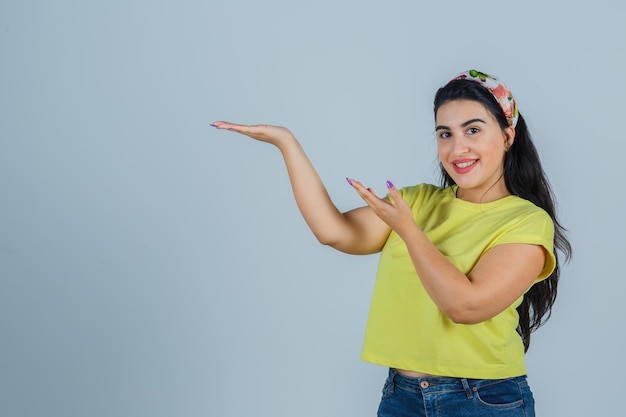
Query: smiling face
{"x":471,"y":146}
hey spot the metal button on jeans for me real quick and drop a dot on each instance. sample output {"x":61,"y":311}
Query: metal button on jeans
{"x":424,"y":384}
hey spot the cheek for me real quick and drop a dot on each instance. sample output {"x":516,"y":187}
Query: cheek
{"x":442,"y":150}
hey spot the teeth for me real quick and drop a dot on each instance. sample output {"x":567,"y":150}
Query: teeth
{"x":465,"y":164}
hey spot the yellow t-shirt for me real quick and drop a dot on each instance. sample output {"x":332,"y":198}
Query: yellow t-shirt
{"x":406,"y":330}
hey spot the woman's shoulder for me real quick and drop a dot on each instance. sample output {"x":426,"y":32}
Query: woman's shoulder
{"x":522,"y":205}
{"x":425,"y":190}
{"x":525,"y":217}
{"x":425,"y":194}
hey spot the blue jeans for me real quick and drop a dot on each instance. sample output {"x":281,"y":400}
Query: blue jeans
{"x":458,"y":397}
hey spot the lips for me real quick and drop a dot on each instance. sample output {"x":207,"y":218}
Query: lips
{"x":463,"y":166}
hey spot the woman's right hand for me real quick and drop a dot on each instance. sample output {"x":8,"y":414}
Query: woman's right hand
{"x":276,"y":135}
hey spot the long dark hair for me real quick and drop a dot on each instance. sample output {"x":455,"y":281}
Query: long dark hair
{"x":524,"y":177}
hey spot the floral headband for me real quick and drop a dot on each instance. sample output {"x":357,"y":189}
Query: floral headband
{"x":502,"y":94}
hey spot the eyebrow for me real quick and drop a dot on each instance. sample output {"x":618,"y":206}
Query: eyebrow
{"x":469,"y":122}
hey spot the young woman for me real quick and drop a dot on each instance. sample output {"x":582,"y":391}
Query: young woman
{"x":467,"y":270}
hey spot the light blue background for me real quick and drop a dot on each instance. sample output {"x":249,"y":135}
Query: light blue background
{"x":153,"y":266}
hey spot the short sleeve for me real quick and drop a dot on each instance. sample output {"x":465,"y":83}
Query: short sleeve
{"x":534,"y":229}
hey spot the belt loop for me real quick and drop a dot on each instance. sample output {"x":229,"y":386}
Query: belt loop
{"x":466,"y":387}
{"x":392,"y":375}
{"x":392,"y":380}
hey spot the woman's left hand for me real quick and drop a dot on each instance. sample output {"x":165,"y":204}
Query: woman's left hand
{"x":397,"y":215}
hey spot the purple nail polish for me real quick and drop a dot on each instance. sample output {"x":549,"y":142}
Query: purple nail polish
{"x":389,"y":185}
{"x":349,"y":181}
{"x":213,"y":124}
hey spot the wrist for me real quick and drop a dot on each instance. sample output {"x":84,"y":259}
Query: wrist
{"x":409,"y":231}
{"x":288,"y":143}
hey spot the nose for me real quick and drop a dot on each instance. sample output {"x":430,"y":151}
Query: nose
{"x":460,"y":146}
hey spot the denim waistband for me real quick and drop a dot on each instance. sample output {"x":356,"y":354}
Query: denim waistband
{"x":429,"y":384}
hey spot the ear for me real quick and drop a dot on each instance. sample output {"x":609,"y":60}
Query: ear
{"x":509,"y":137}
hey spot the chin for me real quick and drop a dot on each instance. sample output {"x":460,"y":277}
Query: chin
{"x":463,"y":184}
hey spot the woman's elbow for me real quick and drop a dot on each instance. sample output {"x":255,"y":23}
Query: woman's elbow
{"x":326,"y":239}
{"x":466,"y":315}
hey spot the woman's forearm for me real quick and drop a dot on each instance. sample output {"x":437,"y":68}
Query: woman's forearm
{"x":446,"y":285}
{"x":501,"y":276}
{"x":321,"y":215}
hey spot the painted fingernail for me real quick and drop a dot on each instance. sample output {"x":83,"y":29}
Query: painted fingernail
{"x":389,"y":185}
{"x":213,"y":124}
{"x":349,"y":181}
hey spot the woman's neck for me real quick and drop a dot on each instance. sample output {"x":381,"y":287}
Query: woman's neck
{"x":493,"y":193}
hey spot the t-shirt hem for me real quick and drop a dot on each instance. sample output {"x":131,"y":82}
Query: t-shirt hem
{"x":500,"y":373}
